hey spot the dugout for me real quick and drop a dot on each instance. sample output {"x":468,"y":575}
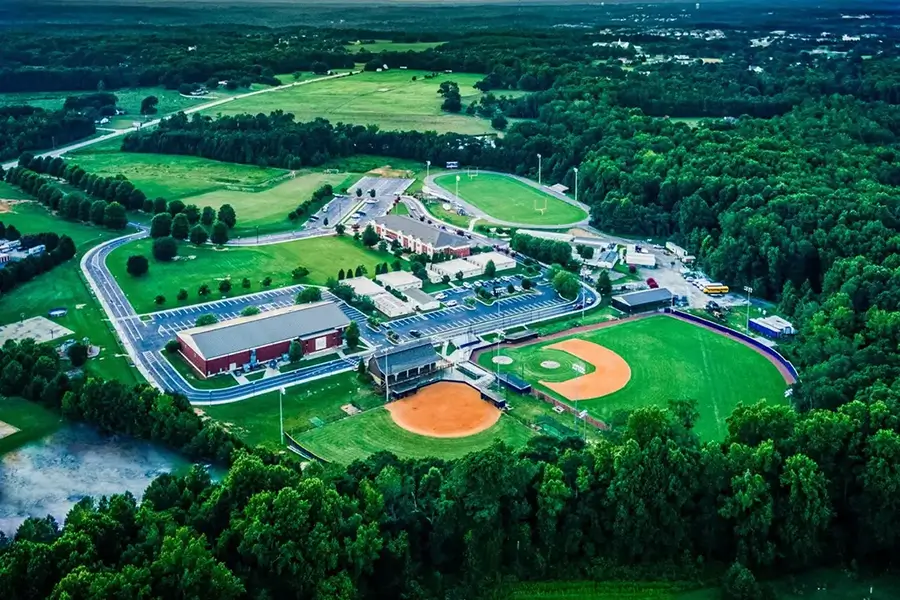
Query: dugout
{"x":520,"y":336}
{"x":643,"y":301}
{"x":516,"y":384}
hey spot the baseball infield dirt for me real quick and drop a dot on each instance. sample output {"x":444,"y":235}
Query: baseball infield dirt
{"x":610,"y":375}
{"x":444,"y":410}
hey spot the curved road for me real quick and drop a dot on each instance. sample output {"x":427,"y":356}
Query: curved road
{"x":446,"y":194}
{"x":187,"y":111}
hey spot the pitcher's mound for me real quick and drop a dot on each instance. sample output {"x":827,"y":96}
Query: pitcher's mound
{"x":444,"y":410}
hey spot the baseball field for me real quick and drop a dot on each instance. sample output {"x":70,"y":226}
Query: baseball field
{"x":643,"y":363}
{"x":508,"y":199}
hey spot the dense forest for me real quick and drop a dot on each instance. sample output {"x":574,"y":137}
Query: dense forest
{"x":28,"y":128}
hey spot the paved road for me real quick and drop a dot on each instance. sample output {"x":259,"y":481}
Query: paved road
{"x":205,"y":106}
{"x":477,"y":212}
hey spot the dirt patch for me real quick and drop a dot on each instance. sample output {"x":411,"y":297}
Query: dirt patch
{"x":7,"y":430}
{"x":610,"y":375}
{"x":444,"y":410}
{"x":5,"y":206}
{"x":350,"y":409}
{"x":388,"y":171}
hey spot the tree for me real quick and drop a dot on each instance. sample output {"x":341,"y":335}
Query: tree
{"x":137,"y":265}
{"x":161,"y":225}
{"x":208,"y":216}
{"x":245,"y":283}
{"x":114,"y":216}
{"x":198,"y":235}
{"x":527,"y":284}
{"x":173,"y":346}
{"x":206,"y":319}
{"x":359,"y":192}
{"x":340,"y":275}
{"x":77,"y":353}
{"x":299,"y":273}
{"x":740,"y":584}
{"x":98,"y":212}
{"x":182,"y":295}
{"x":175,"y":207}
{"x":266,"y":281}
{"x":351,"y":335}
{"x":159,"y":205}
{"x":295,"y":351}
{"x":180,"y":227}
{"x":165,"y":249}
{"x":192,"y":211}
{"x":566,"y":284}
{"x":160,"y":299}
{"x":340,"y":229}
{"x":148,"y":105}
{"x":510,"y":289}
{"x":308,"y":295}
{"x":203,"y":291}
{"x":249,"y":311}
{"x":604,"y":285}
{"x":227,"y":215}
{"x":499,"y":122}
{"x":225,"y":286}
{"x":459,"y":275}
{"x":219,"y":233}
{"x":370,"y":236}
{"x":372,"y":192}
{"x":490,"y":269}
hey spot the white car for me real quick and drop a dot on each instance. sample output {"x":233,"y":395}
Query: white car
{"x":440,"y":296}
{"x":452,"y":303}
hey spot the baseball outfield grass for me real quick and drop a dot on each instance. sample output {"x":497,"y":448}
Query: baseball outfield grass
{"x":669,"y":359}
{"x":508,"y":199}
{"x":391,"y":99}
{"x":323,"y":256}
{"x":362,"y":435}
{"x":65,"y":287}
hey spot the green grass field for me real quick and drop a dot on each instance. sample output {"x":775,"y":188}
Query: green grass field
{"x":601,"y":590}
{"x":323,"y":256}
{"x":33,"y":421}
{"x":358,"y":437}
{"x":390,"y":100}
{"x":669,"y":359}
{"x":8,"y":192}
{"x":64,"y":286}
{"x":256,"y":419}
{"x":217,"y":382}
{"x":436,"y":210}
{"x":508,"y":199}
{"x":389,"y":46}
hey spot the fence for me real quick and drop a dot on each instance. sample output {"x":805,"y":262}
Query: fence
{"x":741,"y":336}
{"x":597,"y":423}
{"x":304,"y":452}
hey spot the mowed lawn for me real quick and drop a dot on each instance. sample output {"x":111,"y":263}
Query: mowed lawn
{"x":508,"y":199}
{"x":391,"y":100}
{"x":323,"y":256}
{"x":64,"y":286}
{"x":669,"y":359}
{"x":358,"y":437}
{"x":33,"y":421}
{"x":256,"y":420}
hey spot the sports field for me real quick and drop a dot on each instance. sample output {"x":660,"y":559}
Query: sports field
{"x":323,"y":256}
{"x":669,"y":359}
{"x":391,"y":100}
{"x":389,"y":46}
{"x":22,"y":421}
{"x":362,"y":435}
{"x":507,"y":199}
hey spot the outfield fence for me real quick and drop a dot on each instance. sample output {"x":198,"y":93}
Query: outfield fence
{"x":545,"y":397}
{"x":302,"y":451}
{"x":781,"y":360}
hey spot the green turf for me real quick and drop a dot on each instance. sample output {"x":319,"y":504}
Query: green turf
{"x":400,"y":209}
{"x":10,"y":192}
{"x":436,"y":210}
{"x":323,"y":256}
{"x":670,"y":359}
{"x":169,"y":101}
{"x":360,"y":436}
{"x":389,"y":46}
{"x":33,"y":421}
{"x":390,"y":100}
{"x":217,"y":382}
{"x":256,"y":419}
{"x":65,"y":287}
{"x":508,"y":199}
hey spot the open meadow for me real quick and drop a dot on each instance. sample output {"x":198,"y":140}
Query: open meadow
{"x":389,"y":46}
{"x":391,"y":100}
{"x":669,"y":360}
{"x":508,"y":199}
{"x":323,"y":256}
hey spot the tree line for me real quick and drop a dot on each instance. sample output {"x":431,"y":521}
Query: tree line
{"x":29,"y":128}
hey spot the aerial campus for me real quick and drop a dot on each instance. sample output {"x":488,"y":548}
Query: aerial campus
{"x":486,"y":301}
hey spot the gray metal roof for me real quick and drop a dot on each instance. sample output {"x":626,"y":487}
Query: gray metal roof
{"x":247,"y":333}
{"x":404,"y":357}
{"x":418,"y":295}
{"x":438,"y":238}
{"x":645,"y":297}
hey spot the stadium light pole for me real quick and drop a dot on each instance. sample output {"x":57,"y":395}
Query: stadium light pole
{"x":539,"y":169}
{"x":427,"y":169}
{"x":749,"y":291}
{"x":457,"y":188}
{"x":576,"y":183}
{"x":281,"y":413}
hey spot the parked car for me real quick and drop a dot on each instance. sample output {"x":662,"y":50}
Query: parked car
{"x":452,"y":303}
{"x":652,"y":283}
{"x":440,"y":296}
{"x":415,"y":333}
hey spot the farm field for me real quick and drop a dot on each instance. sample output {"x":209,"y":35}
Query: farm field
{"x":355,"y":438}
{"x":389,"y":46}
{"x":669,"y":359}
{"x":64,"y":287}
{"x":256,"y":419}
{"x":507,"y":199}
{"x":33,"y":421}
{"x":323,"y":256}
{"x":391,"y":100}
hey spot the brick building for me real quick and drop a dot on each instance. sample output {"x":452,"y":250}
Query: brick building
{"x":421,"y":237}
{"x":263,"y":337}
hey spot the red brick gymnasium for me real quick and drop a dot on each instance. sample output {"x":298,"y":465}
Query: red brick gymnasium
{"x":261,"y":338}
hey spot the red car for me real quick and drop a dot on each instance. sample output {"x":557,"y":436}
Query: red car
{"x":652,"y":283}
